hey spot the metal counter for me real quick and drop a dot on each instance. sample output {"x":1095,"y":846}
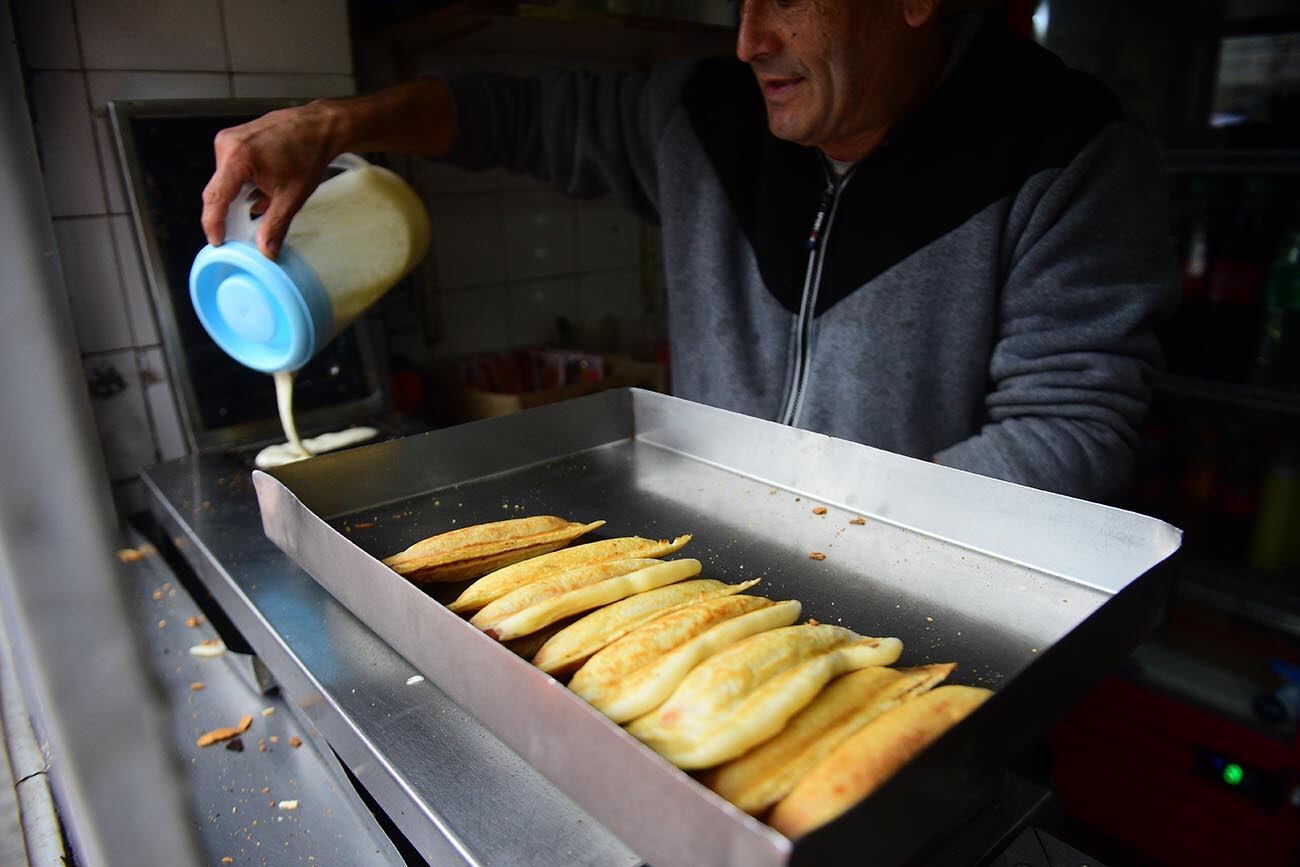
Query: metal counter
{"x":455,"y":792}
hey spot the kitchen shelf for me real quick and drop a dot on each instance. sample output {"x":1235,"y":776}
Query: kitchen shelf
{"x":1230,"y":394}
{"x":1234,"y":161}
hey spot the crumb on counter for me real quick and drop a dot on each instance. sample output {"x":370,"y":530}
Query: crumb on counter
{"x":819,"y":510}
{"x":857,"y":522}
{"x":193,"y":621}
{"x":295,"y":741}
{"x":197,"y":685}
{"x":816,"y":555}
{"x":134,"y":555}
{"x":224,"y":733}
{"x":288,"y":805}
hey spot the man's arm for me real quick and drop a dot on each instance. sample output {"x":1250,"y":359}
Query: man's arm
{"x":285,"y":153}
{"x":1091,"y":272}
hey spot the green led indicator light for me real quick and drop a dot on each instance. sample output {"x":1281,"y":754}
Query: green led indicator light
{"x":1232,"y":774}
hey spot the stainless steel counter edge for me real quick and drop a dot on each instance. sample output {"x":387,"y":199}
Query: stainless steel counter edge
{"x":303,"y":690}
{"x":353,"y":738}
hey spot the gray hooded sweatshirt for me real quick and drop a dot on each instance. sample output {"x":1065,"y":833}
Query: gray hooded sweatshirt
{"x":980,"y":291}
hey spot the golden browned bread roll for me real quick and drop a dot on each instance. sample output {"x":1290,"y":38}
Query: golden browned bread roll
{"x":473,"y":551}
{"x":743,"y":695}
{"x":544,"y":602}
{"x":870,"y":756}
{"x":567,"y":649}
{"x":765,"y":774}
{"x":638,"y":672}
{"x":499,"y":583}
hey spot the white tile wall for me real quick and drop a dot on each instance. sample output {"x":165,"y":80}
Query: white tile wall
{"x":274,"y":84}
{"x":535,"y":306}
{"x":81,"y":54}
{"x":611,"y":293}
{"x":288,"y":35}
{"x":117,"y":401}
{"x":131,"y":84}
{"x":541,"y":235}
{"x":152,"y":34}
{"x":67,"y":144}
{"x":468,"y":240}
{"x":609,"y":236}
{"x":139,"y":305}
{"x":161,"y":400}
{"x":94,"y":288}
{"x":474,"y":320}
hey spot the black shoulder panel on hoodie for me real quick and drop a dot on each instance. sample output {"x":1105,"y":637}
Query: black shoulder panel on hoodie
{"x":1008,"y":110}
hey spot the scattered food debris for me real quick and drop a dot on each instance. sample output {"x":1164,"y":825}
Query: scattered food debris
{"x":197,"y":685}
{"x":288,"y":805}
{"x":193,"y":621}
{"x":157,"y":596}
{"x":414,"y":679}
{"x":162,"y":624}
{"x":858,"y":522}
{"x":364,"y":525}
{"x":929,"y":620}
{"x":235,"y":745}
{"x":816,"y":555}
{"x":261,"y":745}
{"x":275,"y":739}
{"x":295,"y":741}
{"x":133,"y":555}
{"x":266,"y":790}
{"x":1033,"y":650}
{"x":227,"y":860}
{"x":224,"y":733}
{"x":819,"y":510}
{"x":267,"y":711}
{"x":208,"y":648}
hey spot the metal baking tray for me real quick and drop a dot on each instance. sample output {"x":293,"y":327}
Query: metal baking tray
{"x":1034,"y":595}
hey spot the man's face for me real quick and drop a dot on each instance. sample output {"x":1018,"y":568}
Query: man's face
{"x":825,"y":67}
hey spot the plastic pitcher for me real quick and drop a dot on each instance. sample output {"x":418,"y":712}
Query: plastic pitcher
{"x":355,"y":237}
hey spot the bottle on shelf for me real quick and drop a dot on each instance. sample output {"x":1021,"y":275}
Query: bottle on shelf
{"x":1277,"y":361}
{"x":1234,"y":283}
{"x":1275,"y":542}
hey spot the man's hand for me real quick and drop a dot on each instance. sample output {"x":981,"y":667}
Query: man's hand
{"x":285,"y":153}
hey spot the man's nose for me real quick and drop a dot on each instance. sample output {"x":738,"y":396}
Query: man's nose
{"x":757,"y":38}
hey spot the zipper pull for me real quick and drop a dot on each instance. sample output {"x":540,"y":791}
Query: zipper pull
{"x":820,"y":219}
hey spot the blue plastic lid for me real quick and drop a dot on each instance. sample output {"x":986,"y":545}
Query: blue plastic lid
{"x":267,"y":315}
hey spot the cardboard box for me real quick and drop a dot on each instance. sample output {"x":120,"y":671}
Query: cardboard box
{"x":467,"y":403}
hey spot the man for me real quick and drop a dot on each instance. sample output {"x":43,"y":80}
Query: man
{"x":918,"y":232}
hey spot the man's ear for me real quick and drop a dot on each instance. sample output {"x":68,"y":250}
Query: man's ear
{"x":919,"y":13}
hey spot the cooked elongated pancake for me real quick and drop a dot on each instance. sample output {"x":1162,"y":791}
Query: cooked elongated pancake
{"x":473,"y":551}
{"x":742,"y":696}
{"x":499,"y":583}
{"x":572,"y":646}
{"x":640,"y":675}
{"x":548,"y":588}
{"x":559,"y":602}
{"x":870,"y":756}
{"x":765,"y":774}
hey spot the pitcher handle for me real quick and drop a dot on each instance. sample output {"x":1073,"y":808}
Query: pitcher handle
{"x":241,"y":225}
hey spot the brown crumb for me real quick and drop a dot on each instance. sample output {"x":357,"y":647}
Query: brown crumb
{"x":227,"y":860}
{"x":858,"y":522}
{"x":364,"y":525}
{"x":224,"y":733}
{"x":266,"y":790}
{"x":157,"y":596}
{"x":819,"y":510}
{"x":162,"y":624}
{"x":235,"y":745}
{"x":813,"y":621}
{"x":133,"y":555}
{"x":197,"y":685}
{"x":275,"y":739}
{"x":193,"y":621}
{"x":261,"y":745}
{"x":816,"y":555}
{"x":295,"y":742}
